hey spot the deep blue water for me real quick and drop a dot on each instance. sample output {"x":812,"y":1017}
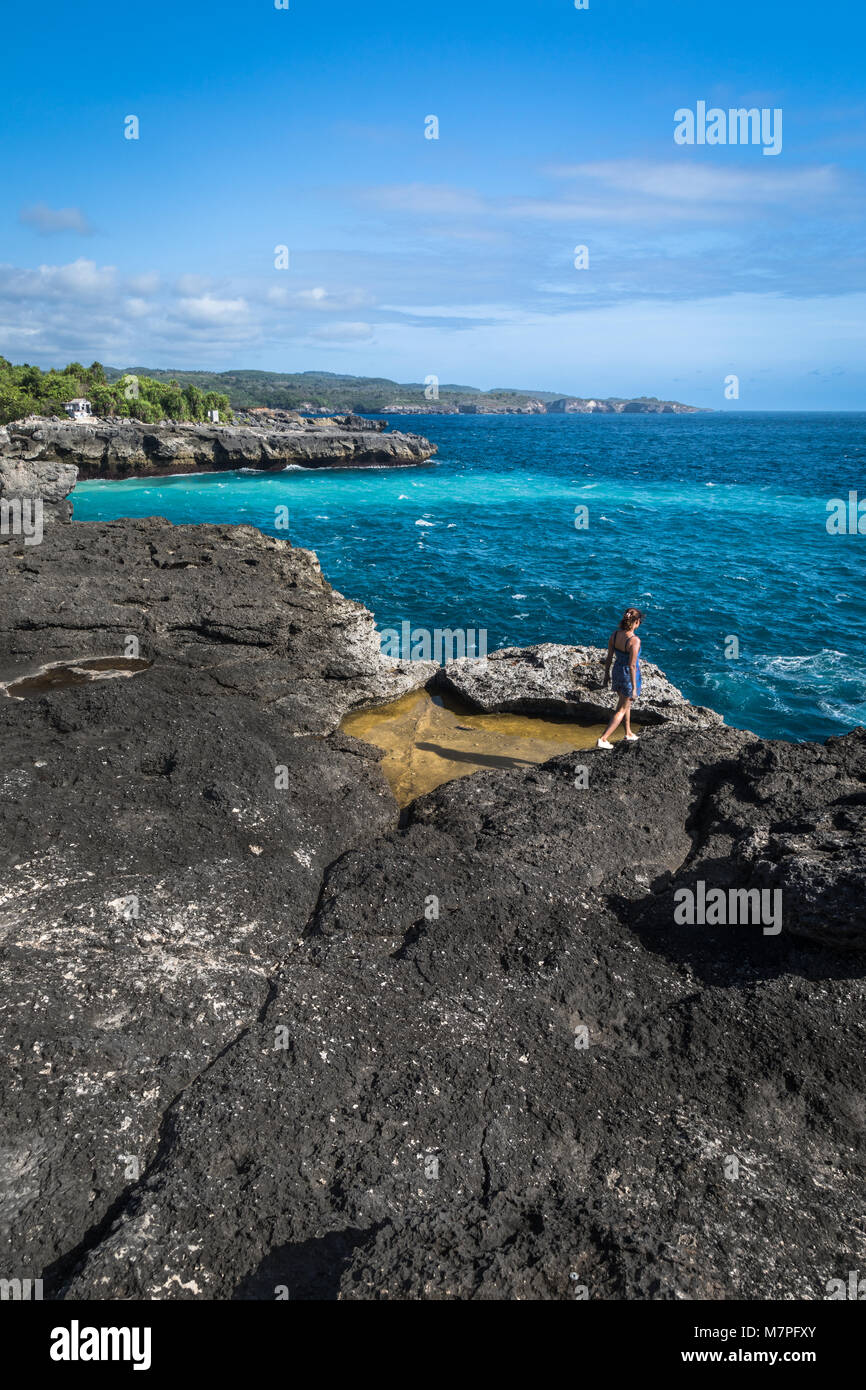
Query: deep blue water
{"x":714,"y":524}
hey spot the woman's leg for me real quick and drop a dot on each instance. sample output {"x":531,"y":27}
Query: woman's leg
{"x":627,"y":716}
{"x":621,"y":710}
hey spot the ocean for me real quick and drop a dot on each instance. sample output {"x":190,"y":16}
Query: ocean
{"x":715,"y":525}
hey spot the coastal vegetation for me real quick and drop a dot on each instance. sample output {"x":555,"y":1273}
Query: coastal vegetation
{"x":330,"y":392}
{"x":26,"y":390}
{"x":151,"y":394}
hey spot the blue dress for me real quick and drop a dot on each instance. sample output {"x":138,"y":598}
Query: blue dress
{"x":621,"y":675}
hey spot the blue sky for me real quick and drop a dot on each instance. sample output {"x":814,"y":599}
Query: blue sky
{"x":455,"y":257}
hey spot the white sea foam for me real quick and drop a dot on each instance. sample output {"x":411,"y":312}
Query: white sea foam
{"x":206,"y":473}
{"x":793,"y":665}
{"x":425,"y":523}
{"x":847,"y":714}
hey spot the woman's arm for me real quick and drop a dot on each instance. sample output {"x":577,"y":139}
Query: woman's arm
{"x":609,"y":658}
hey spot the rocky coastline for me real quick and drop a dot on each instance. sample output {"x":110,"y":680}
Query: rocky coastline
{"x":265,"y":1036}
{"x":127,"y":448}
{"x":565,"y":405}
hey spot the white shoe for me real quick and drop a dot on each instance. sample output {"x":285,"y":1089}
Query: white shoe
{"x":603,"y":743}
{"x":631,"y":738}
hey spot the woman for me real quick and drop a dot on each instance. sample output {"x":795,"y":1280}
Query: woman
{"x":623,"y":650}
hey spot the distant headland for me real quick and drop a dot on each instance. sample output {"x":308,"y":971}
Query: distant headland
{"x":330,"y":393}
{"x":152,"y":394}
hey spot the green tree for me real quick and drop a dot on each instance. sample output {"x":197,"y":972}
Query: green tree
{"x":173,"y":402}
{"x":217,"y":400}
{"x":13,"y":403}
{"x":195,"y":405}
{"x":104,"y":399}
{"x":145,"y":410}
{"x":30,"y":379}
{"x":54,"y":389}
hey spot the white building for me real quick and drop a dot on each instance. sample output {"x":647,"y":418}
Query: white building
{"x":214,"y":416}
{"x":78,"y":409}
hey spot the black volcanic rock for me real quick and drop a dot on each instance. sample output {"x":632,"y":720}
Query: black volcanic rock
{"x":163,"y":833}
{"x":267,"y":1039}
{"x":792,"y":818}
{"x":223,"y":607}
{"x":415,"y":1114}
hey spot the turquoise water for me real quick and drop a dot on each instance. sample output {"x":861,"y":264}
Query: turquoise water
{"x":715,"y":525}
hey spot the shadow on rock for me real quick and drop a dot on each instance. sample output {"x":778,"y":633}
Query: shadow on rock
{"x":310,"y":1271}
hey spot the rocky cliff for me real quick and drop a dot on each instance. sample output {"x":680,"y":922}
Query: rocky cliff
{"x":126,"y":448}
{"x":564,"y":681}
{"x":262,"y":1036}
{"x":565,"y":405}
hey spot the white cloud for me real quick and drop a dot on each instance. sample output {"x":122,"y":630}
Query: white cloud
{"x":427,"y":198}
{"x":192,"y":284}
{"x":49,"y":221}
{"x":81,"y":279}
{"x":343,"y":332}
{"x":622,"y":192}
{"x":318,"y":298}
{"x":455,"y":311}
{"x":587,"y":210}
{"x":148,"y":283}
{"x":691,"y":181}
{"x":206,"y":309}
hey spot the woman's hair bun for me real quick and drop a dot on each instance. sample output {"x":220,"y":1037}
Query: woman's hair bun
{"x":630,"y":617}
